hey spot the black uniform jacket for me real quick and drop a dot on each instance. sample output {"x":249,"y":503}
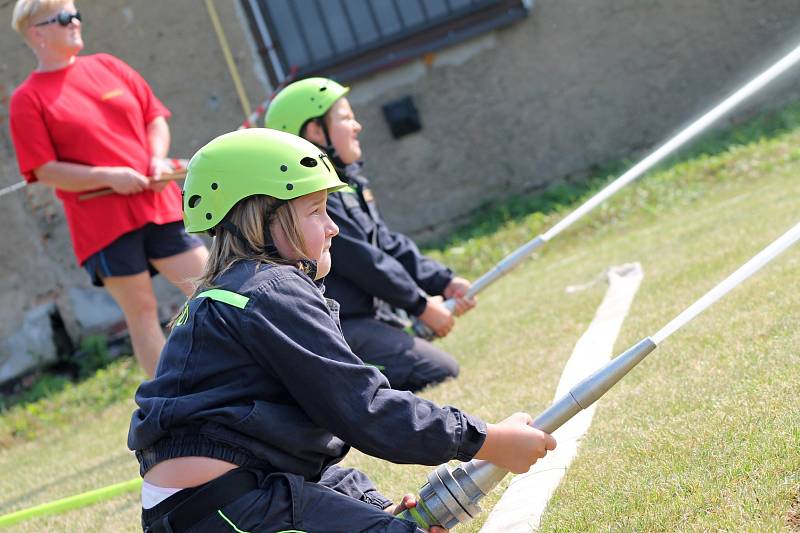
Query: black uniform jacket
{"x":369,"y":261}
{"x":258,"y":374}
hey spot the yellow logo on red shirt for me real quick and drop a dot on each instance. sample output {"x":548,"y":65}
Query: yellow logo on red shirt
{"x":112,"y":94}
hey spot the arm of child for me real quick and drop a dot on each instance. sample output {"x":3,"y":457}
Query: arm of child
{"x":428,"y":273}
{"x":291,"y":332}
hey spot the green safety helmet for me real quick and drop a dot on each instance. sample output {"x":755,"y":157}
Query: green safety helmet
{"x":247,"y":162}
{"x":301,"y":101}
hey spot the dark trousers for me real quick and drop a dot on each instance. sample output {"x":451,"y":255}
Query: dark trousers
{"x":286,"y":502}
{"x":409,"y":363}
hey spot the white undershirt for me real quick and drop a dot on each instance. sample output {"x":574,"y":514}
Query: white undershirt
{"x":152,"y":495}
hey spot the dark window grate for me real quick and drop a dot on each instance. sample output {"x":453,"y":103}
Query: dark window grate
{"x":346,"y":39}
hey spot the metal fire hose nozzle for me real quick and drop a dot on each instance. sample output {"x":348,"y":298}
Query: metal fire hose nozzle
{"x":451,"y":497}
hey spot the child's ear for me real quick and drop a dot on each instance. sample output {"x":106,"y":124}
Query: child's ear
{"x":314,"y":133}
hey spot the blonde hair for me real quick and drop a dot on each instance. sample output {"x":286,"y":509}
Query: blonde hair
{"x":26,"y":10}
{"x":250,"y":216}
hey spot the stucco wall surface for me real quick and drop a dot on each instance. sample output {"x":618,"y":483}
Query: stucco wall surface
{"x":575,"y":84}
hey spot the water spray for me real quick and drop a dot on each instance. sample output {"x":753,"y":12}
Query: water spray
{"x":695,"y":128}
{"x":451,"y":497}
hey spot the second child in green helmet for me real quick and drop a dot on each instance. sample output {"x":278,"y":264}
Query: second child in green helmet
{"x":378,"y":276}
{"x":257,"y":396}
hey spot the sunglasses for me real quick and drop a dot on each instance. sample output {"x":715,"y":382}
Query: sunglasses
{"x":64,"y":18}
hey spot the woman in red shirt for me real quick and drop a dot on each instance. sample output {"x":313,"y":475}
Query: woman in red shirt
{"x":81,"y":123}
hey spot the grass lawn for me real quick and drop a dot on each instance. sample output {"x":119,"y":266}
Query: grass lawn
{"x":704,"y":435}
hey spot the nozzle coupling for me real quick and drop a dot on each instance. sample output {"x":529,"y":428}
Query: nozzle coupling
{"x":451,"y":497}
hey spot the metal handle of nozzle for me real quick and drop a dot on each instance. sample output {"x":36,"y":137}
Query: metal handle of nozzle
{"x":498,"y":271}
{"x":451,"y":497}
{"x":502,"y":268}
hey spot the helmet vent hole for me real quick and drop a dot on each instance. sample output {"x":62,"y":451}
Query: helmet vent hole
{"x":309,"y":162}
{"x":208,"y":216}
{"x":284,"y":168}
{"x":289,"y":186}
{"x":214,"y":186}
{"x":321,"y":89}
{"x":194,"y":200}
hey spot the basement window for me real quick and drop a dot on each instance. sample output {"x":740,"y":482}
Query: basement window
{"x":348,"y":39}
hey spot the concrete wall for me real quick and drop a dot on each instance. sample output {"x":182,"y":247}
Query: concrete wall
{"x":576,"y":84}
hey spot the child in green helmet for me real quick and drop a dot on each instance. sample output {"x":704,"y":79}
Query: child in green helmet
{"x":378,"y":276}
{"x":257,"y":395}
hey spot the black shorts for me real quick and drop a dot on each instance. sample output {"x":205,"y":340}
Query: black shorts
{"x":130,"y":253}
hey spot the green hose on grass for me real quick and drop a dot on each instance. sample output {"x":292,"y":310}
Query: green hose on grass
{"x":72,"y":502}
{"x":82,"y":500}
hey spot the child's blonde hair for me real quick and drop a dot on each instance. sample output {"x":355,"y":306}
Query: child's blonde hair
{"x":250,"y":216}
{"x":27,"y":10}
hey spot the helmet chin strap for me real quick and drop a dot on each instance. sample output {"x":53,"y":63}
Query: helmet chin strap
{"x":233,"y":229}
{"x":329,"y":149}
{"x":269,"y":245}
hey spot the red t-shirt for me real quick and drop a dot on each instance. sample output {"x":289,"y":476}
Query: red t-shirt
{"x":94,"y":112}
